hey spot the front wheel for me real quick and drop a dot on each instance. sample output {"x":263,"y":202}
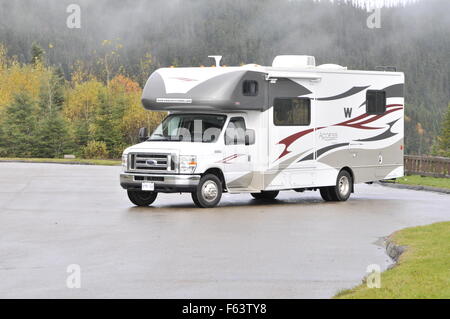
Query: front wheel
{"x":269,"y":195}
{"x":209,"y":192}
{"x":141,"y":198}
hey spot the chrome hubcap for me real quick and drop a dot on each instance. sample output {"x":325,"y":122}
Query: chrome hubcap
{"x":210,"y":191}
{"x":344,"y":185}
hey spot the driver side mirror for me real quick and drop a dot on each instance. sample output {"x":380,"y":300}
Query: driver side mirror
{"x":249,"y":137}
{"x":143,"y":134}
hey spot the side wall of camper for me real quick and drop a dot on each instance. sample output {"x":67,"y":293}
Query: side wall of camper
{"x":329,"y":126}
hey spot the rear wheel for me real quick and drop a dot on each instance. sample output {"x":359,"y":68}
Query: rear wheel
{"x":141,"y":198}
{"x":209,"y":192}
{"x":341,"y":192}
{"x":270,"y":195}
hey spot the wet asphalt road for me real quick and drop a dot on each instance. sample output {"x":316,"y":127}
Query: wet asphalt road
{"x":55,"y":215}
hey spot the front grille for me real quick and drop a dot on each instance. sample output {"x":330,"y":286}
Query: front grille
{"x":151,"y":162}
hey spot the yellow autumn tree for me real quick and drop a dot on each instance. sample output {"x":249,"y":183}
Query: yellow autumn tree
{"x":82,"y":100}
{"x":16,"y":77}
{"x":134,"y":115}
{"x":124,"y":85}
{"x":80,"y":73}
{"x":81,"y":104}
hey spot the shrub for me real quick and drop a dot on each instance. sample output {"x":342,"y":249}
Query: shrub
{"x":95,"y":150}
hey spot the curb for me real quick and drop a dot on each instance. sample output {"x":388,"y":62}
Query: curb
{"x":393,"y":250}
{"x":415,"y":187}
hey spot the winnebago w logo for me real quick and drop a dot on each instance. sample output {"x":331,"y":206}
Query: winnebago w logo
{"x":348,"y":111}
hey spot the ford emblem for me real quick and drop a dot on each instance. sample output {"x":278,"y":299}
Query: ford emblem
{"x":151,"y":162}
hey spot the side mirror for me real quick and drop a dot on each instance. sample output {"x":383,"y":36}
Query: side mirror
{"x":249,"y":137}
{"x":143,"y":134}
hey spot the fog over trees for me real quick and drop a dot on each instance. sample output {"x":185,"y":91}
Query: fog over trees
{"x":131,"y":38}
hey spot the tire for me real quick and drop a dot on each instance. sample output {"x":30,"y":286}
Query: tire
{"x":141,"y":198}
{"x":325,"y":193}
{"x":269,"y":195}
{"x":341,"y":192}
{"x":209,"y":192}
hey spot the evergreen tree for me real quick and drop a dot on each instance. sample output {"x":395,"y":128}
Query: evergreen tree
{"x":106,"y":125}
{"x":443,"y":141}
{"x":37,"y":54}
{"x":17,"y":137}
{"x":52,"y":136}
{"x":51,"y":97}
{"x":79,"y":131}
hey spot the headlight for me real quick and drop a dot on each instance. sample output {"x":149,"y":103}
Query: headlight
{"x":125,"y":162}
{"x":188,"y":163}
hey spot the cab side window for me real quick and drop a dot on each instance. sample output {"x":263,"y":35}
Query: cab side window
{"x":235,"y":132}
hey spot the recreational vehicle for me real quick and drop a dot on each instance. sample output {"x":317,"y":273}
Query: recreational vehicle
{"x":261,"y":130}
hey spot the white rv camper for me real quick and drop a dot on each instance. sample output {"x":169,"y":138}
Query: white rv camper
{"x":260,"y":130}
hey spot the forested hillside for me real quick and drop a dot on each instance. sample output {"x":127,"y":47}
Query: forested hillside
{"x":82,"y":72}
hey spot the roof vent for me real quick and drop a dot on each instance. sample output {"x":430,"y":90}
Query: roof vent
{"x":294,"y":61}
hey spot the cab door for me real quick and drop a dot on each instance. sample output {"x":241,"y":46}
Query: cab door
{"x":237,"y":161}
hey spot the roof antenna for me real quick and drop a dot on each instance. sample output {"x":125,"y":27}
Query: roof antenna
{"x":217,"y":58}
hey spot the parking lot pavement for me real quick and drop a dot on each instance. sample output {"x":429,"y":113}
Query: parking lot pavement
{"x":53,"y":216}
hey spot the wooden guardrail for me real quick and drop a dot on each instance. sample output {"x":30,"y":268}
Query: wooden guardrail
{"x":427,"y":165}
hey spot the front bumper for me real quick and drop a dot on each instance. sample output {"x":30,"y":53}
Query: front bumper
{"x":164,"y":183}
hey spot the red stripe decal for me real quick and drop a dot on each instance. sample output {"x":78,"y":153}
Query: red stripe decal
{"x":287,"y":141}
{"x":361,"y":125}
{"x":227,"y":159}
{"x":291,"y":139}
{"x":393,"y":105}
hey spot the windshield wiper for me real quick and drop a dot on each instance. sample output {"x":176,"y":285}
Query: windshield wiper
{"x":165,"y":139}
{"x":157,"y":139}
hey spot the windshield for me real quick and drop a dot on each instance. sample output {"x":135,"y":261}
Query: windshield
{"x":202,"y":128}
